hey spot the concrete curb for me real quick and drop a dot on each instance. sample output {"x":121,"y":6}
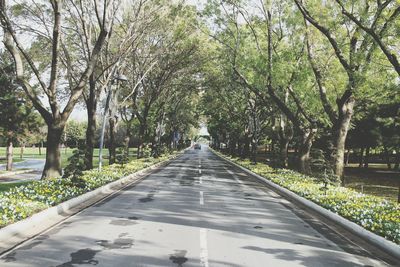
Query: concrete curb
{"x":378,"y":241}
{"x":16,"y":233}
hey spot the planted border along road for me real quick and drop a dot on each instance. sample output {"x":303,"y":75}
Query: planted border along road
{"x":197,"y":211}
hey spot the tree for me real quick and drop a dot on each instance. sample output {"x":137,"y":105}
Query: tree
{"x":167,"y":54}
{"x":18,"y":118}
{"x":53,"y":33}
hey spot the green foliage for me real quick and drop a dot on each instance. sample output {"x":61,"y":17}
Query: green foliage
{"x":322,"y":167}
{"x":18,"y":120}
{"x":122,"y":157}
{"x":76,"y":165}
{"x":74,"y":133}
{"x":375,"y":214}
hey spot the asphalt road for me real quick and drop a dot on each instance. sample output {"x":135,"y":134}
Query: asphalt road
{"x":33,"y":164}
{"x":197,"y":211}
{"x":36,"y":165}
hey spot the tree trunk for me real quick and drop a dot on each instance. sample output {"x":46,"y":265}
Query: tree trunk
{"x":387,"y":157}
{"x":361,"y":158}
{"x":283,"y":152}
{"x":91,"y":107}
{"x":254,"y":150}
{"x":342,"y":127}
{"x":304,"y":151}
{"x":347,"y":157}
{"x":40,"y":148}
{"x":127,"y":140}
{"x":397,"y":161}
{"x":9,"y":155}
{"x":366,"y":160}
{"x":246,"y":148}
{"x":22,"y":149}
{"x":52,"y":167}
{"x":111,"y":141}
{"x":142,"y":129}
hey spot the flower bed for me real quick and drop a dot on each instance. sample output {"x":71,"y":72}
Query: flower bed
{"x":375,"y":214}
{"x":23,"y":201}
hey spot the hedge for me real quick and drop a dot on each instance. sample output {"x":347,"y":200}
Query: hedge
{"x":23,"y":201}
{"x":375,"y":214}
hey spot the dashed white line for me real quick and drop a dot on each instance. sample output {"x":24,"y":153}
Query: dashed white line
{"x":201,"y":198}
{"x":203,"y":248}
{"x":199,"y":171}
{"x":201,"y":180}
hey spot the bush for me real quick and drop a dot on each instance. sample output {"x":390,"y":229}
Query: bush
{"x":23,"y":201}
{"x":375,"y":214}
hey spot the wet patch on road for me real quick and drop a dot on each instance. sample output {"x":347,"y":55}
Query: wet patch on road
{"x":146,"y":199}
{"x":119,"y":243}
{"x":123,"y":234}
{"x":179,"y":257}
{"x":122,"y":222}
{"x":82,"y":256}
{"x":149,"y":197}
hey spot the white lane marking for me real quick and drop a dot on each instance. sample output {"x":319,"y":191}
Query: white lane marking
{"x":199,"y":171}
{"x":201,"y":198}
{"x":203,"y":248}
{"x":201,"y":179}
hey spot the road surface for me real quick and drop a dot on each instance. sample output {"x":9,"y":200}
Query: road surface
{"x":36,"y":165}
{"x":197,"y":211}
{"x":33,"y":164}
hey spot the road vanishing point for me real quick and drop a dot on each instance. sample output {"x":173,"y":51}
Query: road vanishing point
{"x":199,"y":210}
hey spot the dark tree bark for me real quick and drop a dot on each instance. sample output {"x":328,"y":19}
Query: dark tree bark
{"x":9,"y":154}
{"x":341,"y":130}
{"x":111,"y":140}
{"x":128,"y":137}
{"x":397,"y":161}
{"x":304,"y":151}
{"x":361,"y":157}
{"x":142,"y":130}
{"x":91,"y":107}
{"x":52,"y":167}
{"x":347,"y":157}
{"x":40,"y":148}
{"x":366,"y":161}
{"x":387,"y":157}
